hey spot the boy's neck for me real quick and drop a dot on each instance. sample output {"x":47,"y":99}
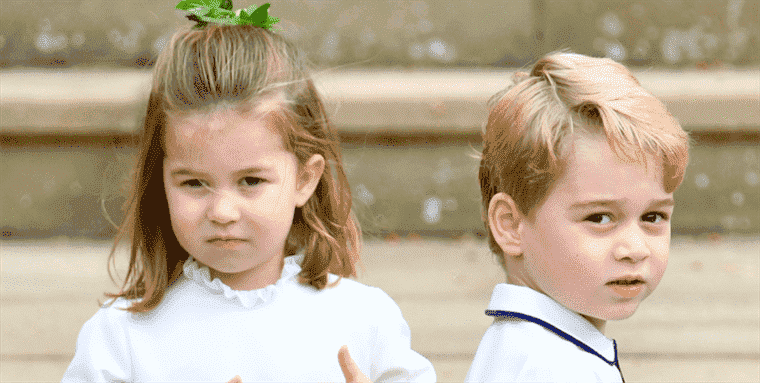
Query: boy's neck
{"x":515,"y":279}
{"x":600,"y":324}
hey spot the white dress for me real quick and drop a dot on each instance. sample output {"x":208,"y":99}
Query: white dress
{"x":285,"y":332}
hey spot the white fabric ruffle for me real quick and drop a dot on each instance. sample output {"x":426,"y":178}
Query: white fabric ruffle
{"x":247,"y":298}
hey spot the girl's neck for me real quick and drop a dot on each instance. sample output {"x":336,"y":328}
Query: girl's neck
{"x":254,"y":278}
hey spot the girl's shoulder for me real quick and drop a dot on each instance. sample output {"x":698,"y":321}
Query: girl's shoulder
{"x":351,"y":288}
{"x":118,"y":303}
{"x":352,"y":293}
{"x":114,"y":310}
{"x":115,"y":313}
{"x":109,"y":322}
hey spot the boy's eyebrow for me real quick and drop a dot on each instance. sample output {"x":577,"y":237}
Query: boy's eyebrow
{"x":667,"y":202}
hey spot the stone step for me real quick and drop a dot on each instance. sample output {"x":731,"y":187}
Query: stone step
{"x":702,"y":322}
{"x":113,"y":101}
{"x":704,"y":369}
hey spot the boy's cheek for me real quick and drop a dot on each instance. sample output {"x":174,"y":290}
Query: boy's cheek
{"x":662,"y":247}
{"x":661,"y":263}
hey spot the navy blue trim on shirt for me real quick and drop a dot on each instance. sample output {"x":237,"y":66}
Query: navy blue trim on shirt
{"x":560,"y":333}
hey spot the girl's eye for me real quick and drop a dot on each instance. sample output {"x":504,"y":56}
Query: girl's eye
{"x":600,"y":218}
{"x":193,"y":183}
{"x":655,"y":217}
{"x":251,"y":181}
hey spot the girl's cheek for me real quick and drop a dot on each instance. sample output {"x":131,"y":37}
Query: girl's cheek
{"x":180,"y":202}
{"x":267,"y":201}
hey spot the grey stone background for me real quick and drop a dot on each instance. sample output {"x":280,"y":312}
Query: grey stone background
{"x":63,"y":177}
{"x":429,"y":33}
{"x":409,"y":137}
{"x":406,"y":84}
{"x":73,"y":188}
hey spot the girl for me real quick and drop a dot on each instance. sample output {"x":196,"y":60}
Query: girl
{"x":240,"y":232}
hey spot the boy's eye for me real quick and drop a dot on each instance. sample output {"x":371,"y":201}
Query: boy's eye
{"x":600,"y":218}
{"x":193,"y":183}
{"x":655,"y":217}
{"x":251,"y":181}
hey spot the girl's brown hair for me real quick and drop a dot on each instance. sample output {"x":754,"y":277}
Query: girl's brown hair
{"x":237,"y":65}
{"x":535,"y":118}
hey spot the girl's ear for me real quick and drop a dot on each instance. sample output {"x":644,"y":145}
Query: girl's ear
{"x":308,"y":178}
{"x":504,"y":220}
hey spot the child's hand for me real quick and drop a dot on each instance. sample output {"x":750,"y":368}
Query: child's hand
{"x":351,"y":371}
{"x":236,"y":379}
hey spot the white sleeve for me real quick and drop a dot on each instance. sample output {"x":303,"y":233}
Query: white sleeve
{"x":102,"y":352}
{"x":393,"y":359}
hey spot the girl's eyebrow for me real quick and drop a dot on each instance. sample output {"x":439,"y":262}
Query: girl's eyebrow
{"x":249,"y":170}
{"x":666,"y":202}
{"x":182,"y":172}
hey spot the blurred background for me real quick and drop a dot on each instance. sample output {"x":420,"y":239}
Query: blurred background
{"x":406,"y":83}
{"x":431,"y":33}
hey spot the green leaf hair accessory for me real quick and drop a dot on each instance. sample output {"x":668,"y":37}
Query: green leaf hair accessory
{"x":220,"y":12}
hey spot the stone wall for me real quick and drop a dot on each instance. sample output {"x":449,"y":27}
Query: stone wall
{"x":75,"y":188}
{"x":392,"y":33}
{"x":68,"y":140}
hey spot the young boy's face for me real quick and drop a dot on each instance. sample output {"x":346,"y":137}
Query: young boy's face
{"x":599,"y":243}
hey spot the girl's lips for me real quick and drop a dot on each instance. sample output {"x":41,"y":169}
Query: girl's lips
{"x":225,"y":239}
{"x":226,"y":243}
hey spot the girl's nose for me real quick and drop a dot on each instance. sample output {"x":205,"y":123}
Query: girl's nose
{"x":224,"y":207}
{"x":633,"y":246}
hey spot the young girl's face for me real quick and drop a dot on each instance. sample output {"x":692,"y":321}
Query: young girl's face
{"x":599,"y":243}
{"x":232,"y":190}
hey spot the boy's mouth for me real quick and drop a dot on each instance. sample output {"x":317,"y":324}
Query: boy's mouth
{"x":627,"y":280}
{"x":627,"y":287}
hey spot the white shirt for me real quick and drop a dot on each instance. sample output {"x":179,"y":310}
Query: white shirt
{"x":286,"y":332}
{"x":535,"y":339}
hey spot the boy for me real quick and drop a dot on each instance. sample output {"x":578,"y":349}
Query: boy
{"x":577,"y":176}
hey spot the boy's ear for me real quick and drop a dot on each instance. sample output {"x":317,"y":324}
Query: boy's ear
{"x":309,"y":175}
{"x":504,"y":220}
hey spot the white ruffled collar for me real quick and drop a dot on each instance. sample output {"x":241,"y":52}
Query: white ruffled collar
{"x":250,"y":298}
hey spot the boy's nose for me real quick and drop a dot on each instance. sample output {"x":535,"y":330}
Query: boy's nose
{"x":632,"y":246}
{"x":224,"y":207}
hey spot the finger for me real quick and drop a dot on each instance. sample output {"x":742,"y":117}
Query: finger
{"x":351,"y":371}
{"x":236,"y":379}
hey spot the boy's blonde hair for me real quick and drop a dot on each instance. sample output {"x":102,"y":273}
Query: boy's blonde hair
{"x":532,"y":121}
{"x":239,"y":66}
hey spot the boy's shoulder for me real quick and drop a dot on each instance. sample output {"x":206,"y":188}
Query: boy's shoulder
{"x":533,"y":338}
{"x":516,"y":350}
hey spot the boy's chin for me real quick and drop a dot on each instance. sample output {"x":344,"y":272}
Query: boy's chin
{"x":621,"y":313}
{"x":611,"y":314}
